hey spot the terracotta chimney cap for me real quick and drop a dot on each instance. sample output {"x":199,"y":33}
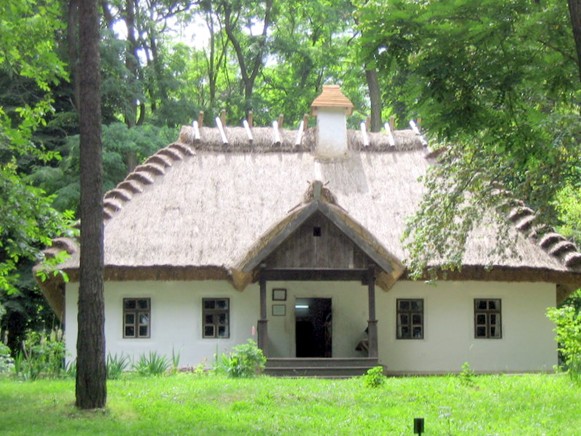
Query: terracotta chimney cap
{"x":332,"y":97}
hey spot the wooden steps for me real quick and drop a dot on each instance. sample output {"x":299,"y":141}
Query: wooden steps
{"x":341,"y":367}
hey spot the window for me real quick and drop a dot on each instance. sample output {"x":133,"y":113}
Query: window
{"x":216,"y":317}
{"x":487,"y":319}
{"x":136,"y":317}
{"x":410,"y":319}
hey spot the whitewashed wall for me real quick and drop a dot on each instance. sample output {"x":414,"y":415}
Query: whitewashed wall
{"x":527,"y":342}
{"x":176,"y":318}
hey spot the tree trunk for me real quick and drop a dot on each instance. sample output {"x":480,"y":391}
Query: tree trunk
{"x":91,"y":388}
{"x":375,"y":98}
{"x":575,"y":12}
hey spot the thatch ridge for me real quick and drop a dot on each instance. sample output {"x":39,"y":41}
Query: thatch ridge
{"x":264,"y":140}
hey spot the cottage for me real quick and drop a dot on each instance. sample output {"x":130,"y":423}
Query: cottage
{"x":293,"y":238}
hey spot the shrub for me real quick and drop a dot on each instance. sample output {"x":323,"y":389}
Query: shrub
{"x":245,"y":360}
{"x":151,"y":364}
{"x":42,"y":355}
{"x":568,"y":328}
{"x":374,"y":377}
{"x":6,"y":361}
{"x":466,"y":376}
{"x":116,"y":365}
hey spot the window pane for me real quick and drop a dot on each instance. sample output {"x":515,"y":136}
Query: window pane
{"x":129,"y":318}
{"x":143,"y":304}
{"x":209,"y":304}
{"x":143,"y":318}
{"x":404,"y":305}
{"x":480,"y":332}
{"x":222,"y":331}
{"x":416,"y":319}
{"x":222,"y":304}
{"x":405,"y":331}
{"x":481,"y":319}
{"x":416,"y":305}
{"x":209,"y":319}
{"x":492,"y":318}
{"x":143,"y":331}
{"x":129,"y":331}
{"x":209,"y":331}
{"x":492,"y":304}
{"x":417,"y":332}
{"x":222,"y":318}
{"x":404,"y":319}
{"x":129,"y":304}
{"x":481,"y":304}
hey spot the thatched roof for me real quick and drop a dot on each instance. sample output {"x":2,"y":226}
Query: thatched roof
{"x":202,"y":208}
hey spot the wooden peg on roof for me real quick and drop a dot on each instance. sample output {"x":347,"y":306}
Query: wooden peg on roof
{"x":390,"y":137}
{"x":275,"y":133}
{"x":419,"y":122}
{"x":201,"y":119}
{"x":301,"y":129}
{"x":368,"y":123}
{"x":392,"y":123}
{"x":305,"y":121}
{"x":250,"y":119}
{"x":280,"y":121}
{"x":223,"y":117}
{"x":364,"y":135}
{"x":248,"y":130}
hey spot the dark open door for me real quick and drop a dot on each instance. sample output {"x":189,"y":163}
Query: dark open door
{"x":313,"y":327}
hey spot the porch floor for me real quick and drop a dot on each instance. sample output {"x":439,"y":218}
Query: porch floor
{"x":320,"y":367}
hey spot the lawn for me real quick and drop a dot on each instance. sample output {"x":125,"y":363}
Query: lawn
{"x":189,"y":404}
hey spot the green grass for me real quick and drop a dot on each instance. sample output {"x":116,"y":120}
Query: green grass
{"x":186,"y":404}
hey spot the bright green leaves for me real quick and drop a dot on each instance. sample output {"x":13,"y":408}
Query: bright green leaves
{"x":497,"y":82}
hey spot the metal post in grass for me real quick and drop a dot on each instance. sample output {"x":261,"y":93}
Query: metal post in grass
{"x":418,"y":426}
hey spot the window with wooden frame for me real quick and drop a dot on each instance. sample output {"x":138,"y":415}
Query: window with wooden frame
{"x":216,"y":317}
{"x":136,"y":317}
{"x":410,"y":318}
{"x":487,"y":318}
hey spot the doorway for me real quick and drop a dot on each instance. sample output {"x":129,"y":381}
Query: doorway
{"x":313,"y":327}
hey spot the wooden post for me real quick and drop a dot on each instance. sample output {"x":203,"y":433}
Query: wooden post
{"x":372,"y":322}
{"x":250,"y":118}
{"x":392,"y":123}
{"x":263,"y":322}
{"x":223,"y":117}
{"x":201,"y":119}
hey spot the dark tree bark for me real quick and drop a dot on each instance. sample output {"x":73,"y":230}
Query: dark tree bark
{"x":91,"y":388}
{"x":374,"y":98}
{"x":575,"y":12}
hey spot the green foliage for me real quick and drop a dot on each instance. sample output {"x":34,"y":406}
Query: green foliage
{"x":374,"y":377}
{"x":466,"y":376}
{"x":116,"y":365}
{"x":152,"y":363}
{"x":568,"y":205}
{"x":496,"y":82}
{"x":567,"y":321}
{"x":245,"y":360}
{"x":42,"y":356}
{"x":6,"y":360}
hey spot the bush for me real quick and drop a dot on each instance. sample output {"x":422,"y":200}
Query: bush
{"x":568,"y":328}
{"x":116,"y":365}
{"x":245,"y":360}
{"x":42,"y":355}
{"x":151,"y":364}
{"x":6,"y":361}
{"x":374,"y":377}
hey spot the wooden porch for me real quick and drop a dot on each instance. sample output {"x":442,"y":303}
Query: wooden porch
{"x":345,"y":367}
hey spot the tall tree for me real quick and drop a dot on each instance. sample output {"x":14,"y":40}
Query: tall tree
{"x":91,"y":387}
{"x":496,"y":82}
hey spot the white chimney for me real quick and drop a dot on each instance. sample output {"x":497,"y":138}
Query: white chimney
{"x":331,"y":109}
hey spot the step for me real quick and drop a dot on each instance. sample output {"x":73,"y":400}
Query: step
{"x":322,"y":362}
